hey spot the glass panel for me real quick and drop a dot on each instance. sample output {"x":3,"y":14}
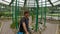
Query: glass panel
{"x":54,"y":0}
{"x":7,"y":0}
{"x":57,"y":3}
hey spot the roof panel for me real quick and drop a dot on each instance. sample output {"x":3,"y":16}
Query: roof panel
{"x":54,"y":0}
{"x":57,"y":3}
{"x":31,"y":3}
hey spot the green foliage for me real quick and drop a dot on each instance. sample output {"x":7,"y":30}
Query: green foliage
{"x":0,"y":24}
{"x":32,"y":16}
{"x":13,"y":25}
{"x":8,"y":14}
{"x":33,"y":26}
{"x":1,"y":14}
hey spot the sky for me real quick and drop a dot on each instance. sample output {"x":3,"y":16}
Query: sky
{"x":22,"y":1}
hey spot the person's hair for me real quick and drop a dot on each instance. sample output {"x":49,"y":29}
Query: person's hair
{"x":26,"y":12}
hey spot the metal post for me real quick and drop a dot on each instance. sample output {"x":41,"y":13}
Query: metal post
{"x":13,"y":13}
{"x":16,"y":14}
{"x":41,"y":11}
{"x":37,"y":15}
{"x":45,"y":14}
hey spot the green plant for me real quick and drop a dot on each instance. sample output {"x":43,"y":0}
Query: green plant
{"x":33,"y":26}
{"x":13,"y":25}
{"x":0,"y":24}
{"x":1,"y":14}
{"x":33,"y":16}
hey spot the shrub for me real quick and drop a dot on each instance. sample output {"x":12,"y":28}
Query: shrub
{"x":1,"y":14}
{"x":13,"y":25}
{"x":0,"y":24}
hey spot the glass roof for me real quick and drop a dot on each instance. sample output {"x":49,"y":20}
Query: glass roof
{"x":32,"y":3}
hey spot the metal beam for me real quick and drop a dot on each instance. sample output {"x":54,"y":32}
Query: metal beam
{"x":5,"y":1}
{"x":11,"y":2}
{"x":51,"y":2}
{"x":55,"y":1}
{"x":25,"y":2}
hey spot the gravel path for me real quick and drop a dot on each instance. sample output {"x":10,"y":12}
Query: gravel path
{"x":6,"y":28}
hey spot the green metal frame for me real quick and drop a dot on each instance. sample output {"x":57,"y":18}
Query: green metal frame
{"x":15,"y":12}
{"x":37,"y":9}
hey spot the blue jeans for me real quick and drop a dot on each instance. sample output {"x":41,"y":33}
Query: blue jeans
{"x":20,"y":33}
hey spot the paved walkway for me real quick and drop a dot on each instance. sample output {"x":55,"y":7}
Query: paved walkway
{"x":6,"y":28}
{"x":51,"y":29}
